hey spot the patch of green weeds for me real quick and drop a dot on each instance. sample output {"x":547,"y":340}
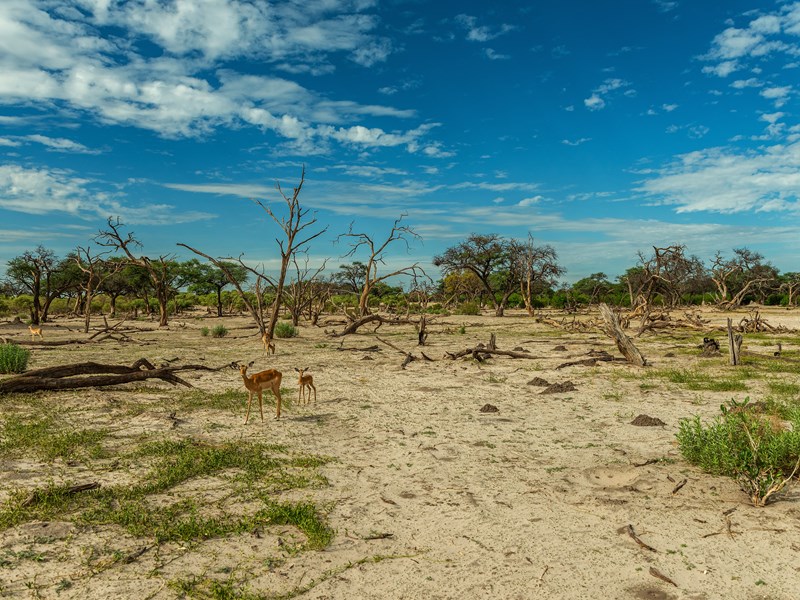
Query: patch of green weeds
{"x":47,"y":440}
{"x":255,"y":471}
{"x":696,"y":380}
{"x":496,"y":378}
{"x":745,"y":445}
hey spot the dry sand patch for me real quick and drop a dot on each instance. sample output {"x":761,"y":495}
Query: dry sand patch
{"x":428,"y":496}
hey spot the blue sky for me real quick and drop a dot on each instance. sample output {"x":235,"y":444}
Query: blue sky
{"x":602,"y":128}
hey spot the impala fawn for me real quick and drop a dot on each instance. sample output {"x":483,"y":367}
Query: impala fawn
{"x":306,"y":384}
{"x":35,"y":331}
{"x":268,"y":344}
{"x":257,"y":383}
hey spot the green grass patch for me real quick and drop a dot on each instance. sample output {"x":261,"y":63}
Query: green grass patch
{"x":13,"y":358}
{"x":253,"y":472}
{"x":47,"y":440}
{"x":745,"y":445}
{"x":696,"y":380}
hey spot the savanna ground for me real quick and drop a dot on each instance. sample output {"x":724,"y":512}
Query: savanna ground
{"x":393,"y":484}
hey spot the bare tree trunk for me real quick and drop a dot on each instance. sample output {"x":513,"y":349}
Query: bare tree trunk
{"x":624,"y":343}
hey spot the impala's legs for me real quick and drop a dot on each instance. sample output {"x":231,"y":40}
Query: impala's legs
{"x":276,"y":391}
{"x":260,"y":406}
{"x":249,"y":402}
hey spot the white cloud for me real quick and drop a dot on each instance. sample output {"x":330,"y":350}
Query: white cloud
{"x":530,"y":201}
{"x":476,"y":33}
{"x":9,"y":142}
{"x":61,"y":144}
{"x":669,"y":107}
{"x":594,"y":102}
{"x":746,"y":83}
{"x":58,"y":57}
{"x":597,"y":101}
{"x":577,"y":142}
{"x":492,"y":55}
{"x":720,"y":180}
{"x":778,"y":94}
{"x":42,"y":192}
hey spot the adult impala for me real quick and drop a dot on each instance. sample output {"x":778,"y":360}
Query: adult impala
{"x":257,"y":383}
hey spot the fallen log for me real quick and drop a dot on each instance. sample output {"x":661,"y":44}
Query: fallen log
{"x":90,"y":374}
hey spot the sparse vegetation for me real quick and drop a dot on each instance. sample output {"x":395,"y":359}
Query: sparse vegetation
{"x":219,"y":331}
{"x":285,"y":330}
{"x":750,"y":447}
{"x":13,"y":358}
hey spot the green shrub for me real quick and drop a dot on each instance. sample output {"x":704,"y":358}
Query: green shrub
{"x":219,"y":331}
{"x":204,"y":331}
{"x":285,"y":330}
{"x":13,"y":358}
{"x":469,"y":308}
{"x":744,"y":445}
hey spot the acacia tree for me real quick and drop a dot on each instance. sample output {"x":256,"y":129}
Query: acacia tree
{"x":376,"y":255}
{"x":538,"y":267}
{"x":791,"y":283}
{"x":43,"y":276}
{"x":207,"y":279}
{"x":493,"y":260}
{"x":162,"y":271}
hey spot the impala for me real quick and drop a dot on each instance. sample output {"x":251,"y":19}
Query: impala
{"x":257,"y":383}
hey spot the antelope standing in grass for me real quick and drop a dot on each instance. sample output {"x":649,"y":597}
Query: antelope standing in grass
{"x":257,"y":383}
{"x":35,"y":331}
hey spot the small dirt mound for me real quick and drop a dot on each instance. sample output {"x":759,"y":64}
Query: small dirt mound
{"x":539,"y":382}
{"x":647,"y":421}
{"x":560,"y":349}
{"x":489,"y":408}
{"x":559,"y":388}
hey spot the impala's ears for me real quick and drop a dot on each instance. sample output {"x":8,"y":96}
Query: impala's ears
{"x":251,"y":363}
{"x":296,"y":369}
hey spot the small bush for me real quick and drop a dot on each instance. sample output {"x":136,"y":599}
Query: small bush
{"x":469,"y":308}
{"x":744,"y":445}
{"x":219,"y":331}
{"x":285,"y":330}
{"x":13,"y":358}
{"x":204,"y":331}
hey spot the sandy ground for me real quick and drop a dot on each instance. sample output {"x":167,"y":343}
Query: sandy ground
{"x":532,"y":501}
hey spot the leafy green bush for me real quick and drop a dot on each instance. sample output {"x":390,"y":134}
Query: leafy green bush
{"x":750,"y":447}
{"x":469,"y":308}
{"x":219,"y":331}
{"x":285,"y":330}
{"x":13,"y":358}
{"x":204,"y":331}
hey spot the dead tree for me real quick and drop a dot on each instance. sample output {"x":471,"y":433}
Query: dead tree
{"x":161,"y":270}
{"x":623,"y":342}
{"x":293,"y":225}
{"x":96,"y":270}
{"x":303,"y":290}
{"x":377,"y":256}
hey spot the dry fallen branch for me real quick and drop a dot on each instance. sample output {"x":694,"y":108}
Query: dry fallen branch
{"x":90,"y":374}
{"x":656,"y":573}
{"x":638,"y":540}
{"x":36,"y":495}
{"x":624,"y":343}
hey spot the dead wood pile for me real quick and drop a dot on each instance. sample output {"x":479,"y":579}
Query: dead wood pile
{"x":91,"y":374}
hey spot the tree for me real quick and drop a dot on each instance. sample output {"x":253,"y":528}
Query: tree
{"x":96,"y":270}
{"x":293,"y":226}
{"x":207,"y":279}
{"x":538,"y":267}
{"x":595,"y":287}
{"x":40,"y":274}
{"x":791,"y":283}
{"x":377,"y":256}
{"x":162,"y":271}
{"x":492,"y":259}
{"x":351,"y":277}
{"x":304,"y":290}
{"x":734,"y":278}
